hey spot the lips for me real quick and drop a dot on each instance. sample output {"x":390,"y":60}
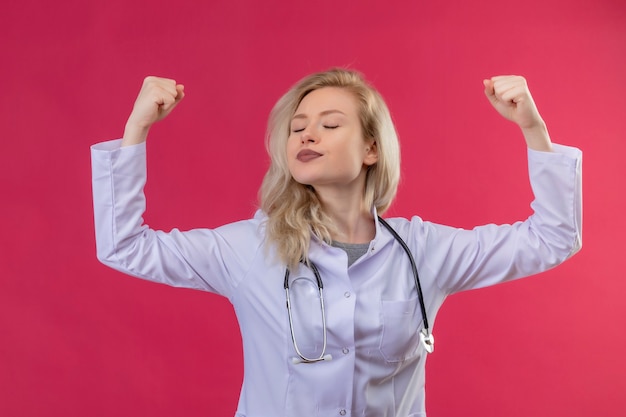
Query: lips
{"x":306,"y":155}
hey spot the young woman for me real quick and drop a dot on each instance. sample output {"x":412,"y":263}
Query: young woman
{"x":354,"y":338}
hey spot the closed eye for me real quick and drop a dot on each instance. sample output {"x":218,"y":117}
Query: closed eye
{"x":325,"y":127}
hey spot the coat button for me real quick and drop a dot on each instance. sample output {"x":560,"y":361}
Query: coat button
{"x":342,"y":412}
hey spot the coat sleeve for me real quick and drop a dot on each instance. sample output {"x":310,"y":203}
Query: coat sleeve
{"x":202,"y":259}
{"x":460,"y":259}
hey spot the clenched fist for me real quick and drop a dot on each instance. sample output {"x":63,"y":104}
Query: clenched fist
{"x":156,"y":99}
{"x":510,"y":96}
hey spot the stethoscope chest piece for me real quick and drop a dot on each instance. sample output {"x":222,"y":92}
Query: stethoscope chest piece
{"x":428,"y":340}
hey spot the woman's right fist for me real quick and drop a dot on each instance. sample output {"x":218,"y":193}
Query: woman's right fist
{"x":156,"y":99}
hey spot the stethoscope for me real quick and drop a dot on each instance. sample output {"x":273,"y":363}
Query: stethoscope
{"x":426,"y":337}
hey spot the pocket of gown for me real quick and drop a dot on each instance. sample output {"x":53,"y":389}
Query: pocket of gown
{"x":400,"y":329}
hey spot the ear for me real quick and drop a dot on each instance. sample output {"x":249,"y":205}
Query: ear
{"x":371,"y":154}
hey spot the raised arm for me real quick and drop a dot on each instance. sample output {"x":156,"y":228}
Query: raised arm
{"x":491,"y":254}
{"x":198,"y":258}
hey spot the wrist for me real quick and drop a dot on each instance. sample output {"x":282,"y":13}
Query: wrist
{"x":537,"y":137}
{"x":134,"y":134}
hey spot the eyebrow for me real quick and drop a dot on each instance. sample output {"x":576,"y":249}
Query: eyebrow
{"x":324,"y":113}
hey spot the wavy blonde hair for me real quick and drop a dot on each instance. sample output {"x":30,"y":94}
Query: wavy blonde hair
{"x":294,"y":212}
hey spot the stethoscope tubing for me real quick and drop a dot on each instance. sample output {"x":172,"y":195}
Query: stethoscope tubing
{"x":426,"y":337}
{"x":320,"y":288}
{"x":418,"y":286}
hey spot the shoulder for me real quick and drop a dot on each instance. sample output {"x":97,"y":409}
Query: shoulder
{"x":411,"y":226}
{"x":245,"y":231}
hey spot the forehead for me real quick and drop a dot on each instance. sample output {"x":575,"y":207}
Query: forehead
{"x":328,"y":98}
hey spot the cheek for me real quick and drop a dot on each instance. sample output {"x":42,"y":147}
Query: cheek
{"x":291,"y":150}
{"x":354,"y":152}
{"x":292,"y":146}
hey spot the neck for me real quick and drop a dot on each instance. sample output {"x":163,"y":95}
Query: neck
{"x":353,"y":222}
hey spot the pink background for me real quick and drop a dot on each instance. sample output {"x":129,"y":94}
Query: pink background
{"x":77,"y":338}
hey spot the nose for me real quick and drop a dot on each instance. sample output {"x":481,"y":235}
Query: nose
{"x":307,"y":136}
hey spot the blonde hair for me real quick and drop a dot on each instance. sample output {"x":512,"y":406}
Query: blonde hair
{"x":294,"y":212}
